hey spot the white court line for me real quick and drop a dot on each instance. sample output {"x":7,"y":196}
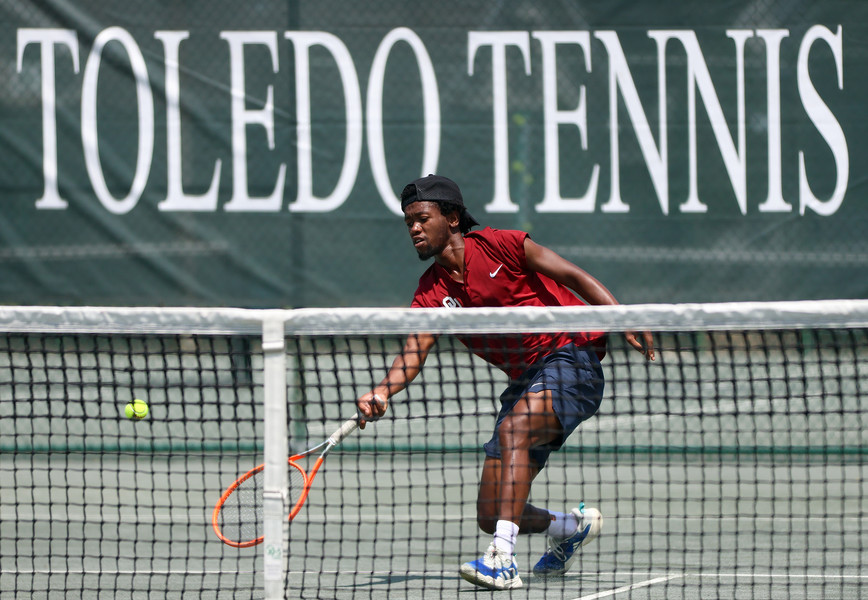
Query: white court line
{"x":701,"y":575}
{"x":820,"y":576}
{"x":630,"y":587}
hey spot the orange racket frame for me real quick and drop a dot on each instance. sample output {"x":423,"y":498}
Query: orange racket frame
{"x":334,"y":439}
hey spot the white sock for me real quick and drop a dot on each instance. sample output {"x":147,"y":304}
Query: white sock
{"x":505,"y":535}
{"x":563,"y":525}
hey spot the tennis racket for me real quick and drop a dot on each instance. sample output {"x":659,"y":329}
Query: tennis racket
{"x":237,"y":517}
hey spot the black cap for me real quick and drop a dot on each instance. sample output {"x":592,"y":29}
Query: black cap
{"x":435,"y":188}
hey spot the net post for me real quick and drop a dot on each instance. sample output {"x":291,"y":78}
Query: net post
{"x":276,"y":451}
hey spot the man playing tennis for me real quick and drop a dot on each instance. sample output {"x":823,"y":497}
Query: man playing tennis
{"x":556,"y":381}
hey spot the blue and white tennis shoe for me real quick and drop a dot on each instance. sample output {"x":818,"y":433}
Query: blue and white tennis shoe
{"x":562,"y":552}
{"x":496,"y":570}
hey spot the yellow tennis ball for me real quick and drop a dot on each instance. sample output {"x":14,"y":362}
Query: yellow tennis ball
{"x":136,"y":410}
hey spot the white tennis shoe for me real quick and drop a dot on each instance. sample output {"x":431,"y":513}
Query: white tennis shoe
{"x":558,"y":559}
{"x":496,"y":570}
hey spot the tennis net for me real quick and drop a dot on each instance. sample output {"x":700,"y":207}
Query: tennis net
{"x":94,"y":505}
{"x":732,"y":466}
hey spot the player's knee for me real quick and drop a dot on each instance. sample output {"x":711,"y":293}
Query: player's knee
{"x":514,"y":432}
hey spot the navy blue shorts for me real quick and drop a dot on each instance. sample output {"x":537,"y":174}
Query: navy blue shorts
{"x":575,"y":378}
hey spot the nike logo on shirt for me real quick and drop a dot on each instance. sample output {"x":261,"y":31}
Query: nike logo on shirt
{"x":492,"y":274}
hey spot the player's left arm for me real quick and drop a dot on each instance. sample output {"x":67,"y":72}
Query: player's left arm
{"x":553,"y":265}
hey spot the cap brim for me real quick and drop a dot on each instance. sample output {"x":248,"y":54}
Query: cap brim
{"x":470,"y":218}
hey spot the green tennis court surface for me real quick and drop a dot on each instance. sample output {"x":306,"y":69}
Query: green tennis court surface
{"x":398,"y":525}
{"x":691,"y":540}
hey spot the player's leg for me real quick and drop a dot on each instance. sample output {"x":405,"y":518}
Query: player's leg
{"x":533,"y":519}
{"x":577,"y":394}
{"x":496,"y":569}
{"x":525,"y":435}
{"x":488,"y":505}
{"x":502,"y":507}
{"x":530,"y":424}
{"x":570,"y":384}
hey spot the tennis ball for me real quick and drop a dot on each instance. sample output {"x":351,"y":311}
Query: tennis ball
{"x":136,"y":410}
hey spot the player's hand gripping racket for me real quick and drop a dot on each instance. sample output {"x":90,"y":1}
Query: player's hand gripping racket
{"x":237,"y":517}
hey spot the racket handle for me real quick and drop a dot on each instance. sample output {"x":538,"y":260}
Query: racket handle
{"x":349,"y":426}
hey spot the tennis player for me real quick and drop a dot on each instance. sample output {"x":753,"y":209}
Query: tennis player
{"x":556,"y":381}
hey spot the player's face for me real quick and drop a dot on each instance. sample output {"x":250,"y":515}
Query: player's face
{"x":429,"y":229}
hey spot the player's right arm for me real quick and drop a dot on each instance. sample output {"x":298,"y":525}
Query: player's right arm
{"x":404,"y":369}
{"x":545,"y":261}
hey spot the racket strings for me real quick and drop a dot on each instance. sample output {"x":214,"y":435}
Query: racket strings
{"x":241,"y":516}
{"x":296,"y":485}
